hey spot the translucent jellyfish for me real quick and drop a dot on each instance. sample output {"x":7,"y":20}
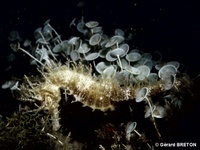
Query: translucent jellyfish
{"x":119,"y":32}
{"x":95,"y":39}
{"x":133,"y":70}
{"x":47,"y":32}
{"x":80,"y":27}
{"x":123,"y":64}
{"x":11,"y":58}
{"x":130,"y":127}
{"x":92,"y":24}
{"x":168,"y":81}
{"x":115,"y":40}
{"x":8,"y":84}
{"x":153,"y":77}
{"x":74,"y":55}
{"x":174,"y":63}
{"x":84,"y":48}
{"x":14,"y":35}
{"x":37,"y":33}
{"x":148,"y":63}
{"x":73,"y":40}
{"x":103,"y":52}
{"x":166,"y":71}
{"x":91,"y":56}
{"x":110,"y":58}
{"x":26,"y":43}
{"x":109,"y":72}
{"x":118,"y":52}
{"x":133,"y":57}
{"x":144,"y":72}
{"x":125,"y":47}
{"x":147,"y":56}
{"x":142,"y":94}
{"x":101,"y":66}
{"x":97,"y":30}
{"x":157,"y":112}
{"x":58,"y":48}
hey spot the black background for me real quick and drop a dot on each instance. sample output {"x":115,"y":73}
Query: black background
{"x":171,"y":27}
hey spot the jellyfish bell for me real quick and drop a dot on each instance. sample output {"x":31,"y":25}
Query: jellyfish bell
{"x":37,"y":33}
{"x":91,"y":56}
{"x":84,"y":48}
{"x":159,"y":112}
{"x":119,"y":32}
{"x":168,"y":81}
{"x":74,"y":55}
{"x":142,"y":94}
{"x":109,"y":72}
{"x":144,"y":72}
{"x":27,"y":43}
{"x":8,"y":84}
{"x":124,"y":63}
{"x":11,"y":58}
{"x":174,"y":63}
{"x":132,"y":70}
{"x":166,"y":71}
{"x":104,"y":40}
{"x":109,"y":57}
{"x":148,"y":63}
{"x":133,"y":57}
{"x":97,"y":29}
{"x":47,"y":32}
{"x":14,"y":36}
{"x":101,"y":66}
{"x":103,"y":52}
{"x":117,"y":52}
{"x":95,"y":39}
{"x":152,"y":78}
{"x":147,"y":56}
{"x":134,"y":51}
{"x":159,"y":66}
{"x":57,"y":48}
{"x":125,"y":47}
{"x":130,"y":127}
{"x":73,"y":40}
{"x":80,"y":27}
{"x":114,"y":40}
{"x":92,"y":24}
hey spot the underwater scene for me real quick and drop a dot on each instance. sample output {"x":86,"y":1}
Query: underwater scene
{"x":99,"y":75}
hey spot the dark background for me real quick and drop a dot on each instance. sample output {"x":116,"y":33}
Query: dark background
{"x":171,"y":27}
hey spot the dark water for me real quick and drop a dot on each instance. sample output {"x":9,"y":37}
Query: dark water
{"x":171,"y":27}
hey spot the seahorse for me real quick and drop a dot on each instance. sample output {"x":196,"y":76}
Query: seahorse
{"x":77,"y":80}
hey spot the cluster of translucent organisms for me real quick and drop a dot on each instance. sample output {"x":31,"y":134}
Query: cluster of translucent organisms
{"x":111,"y":60}
{"x":111,"y":56}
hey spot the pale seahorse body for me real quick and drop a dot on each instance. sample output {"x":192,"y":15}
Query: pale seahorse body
{"x":78,"y":81}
